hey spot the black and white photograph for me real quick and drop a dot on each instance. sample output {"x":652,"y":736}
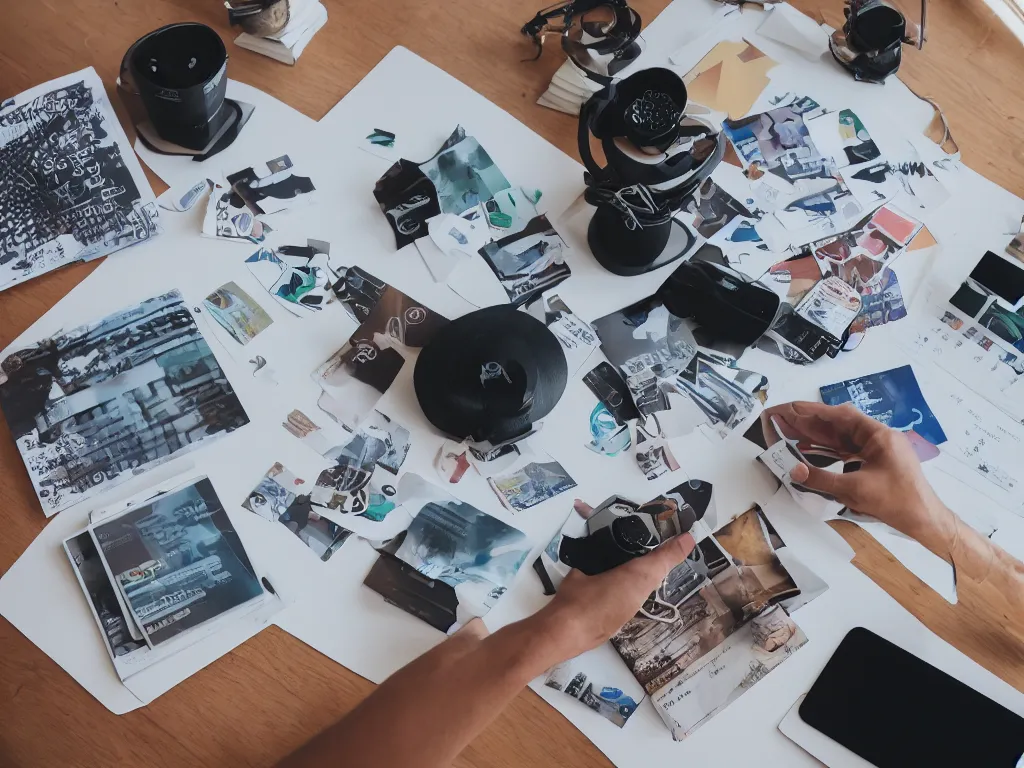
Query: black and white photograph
{"x":270,"y":187}
{"x":358,"y":291}
{"x":713,"y":208}
{"x":393,"y":437}
{"x":728,"y":396}
{"x":531,"y":485}
{"x":456,"y":543}
{"x":177,"y":561}
{"x":106,"y":609}
{"x":463,"y":174}
{"x":528,"y":262}
{"x":71,"y":187}
{"x":103,"y":402}
{"x":355,"y":378}
{"x":649,"y":345}
{"x":407,"y":198}
{"x":577,"y":338}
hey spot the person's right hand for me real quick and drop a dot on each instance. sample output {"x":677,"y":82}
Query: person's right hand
{"x":889,"y":485}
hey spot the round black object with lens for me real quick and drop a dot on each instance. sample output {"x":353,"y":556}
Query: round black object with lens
{"x":870,"y":43}
{"x":489,"y":375}
{"x":180,"y":73}
{"x":645,"y":136}
{"x":625,"y":538}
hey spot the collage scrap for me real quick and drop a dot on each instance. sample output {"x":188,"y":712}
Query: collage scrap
{"x":814,"y":213}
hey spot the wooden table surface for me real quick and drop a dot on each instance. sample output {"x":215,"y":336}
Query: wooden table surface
{"x":273,"y":693}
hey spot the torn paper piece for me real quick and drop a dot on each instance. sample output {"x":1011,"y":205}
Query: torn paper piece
{"x":395,"y":439}
{"x":451,"y":462}
{"x":831,"y":305}
{"x":237,"y":312}
{"x":785,"y":24}
{"x":299,"y":277}
{"x":608,"y":689}
{"x":304,"y":428}
{"x":277,"y":499}
{"x":577,"y":338}
{"x":842,"y":136}
{"x":227,"y":218}
{"x":355,"y":378}
{"x":183,"y":198}
{"x":454,"y":561}
{"x":727,"y":671}
{"x":380,"y":143}
{"x":608,"y":436}
{"x":528,"y":262}
{"x":533,"y":484}
{"x":270,"y":187}
{"x":653,"y":455}
{"x":729,"y":78}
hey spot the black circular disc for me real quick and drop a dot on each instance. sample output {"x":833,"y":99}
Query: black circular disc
{"x":490,"y":374}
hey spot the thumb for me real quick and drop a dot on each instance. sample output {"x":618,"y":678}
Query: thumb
{"x":670,"y":553}
{"x":834,"y":484}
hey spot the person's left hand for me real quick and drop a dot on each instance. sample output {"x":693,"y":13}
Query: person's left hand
{"x":587,"y":610}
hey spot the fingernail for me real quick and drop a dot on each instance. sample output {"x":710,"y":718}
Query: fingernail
{"x":799,"y":473}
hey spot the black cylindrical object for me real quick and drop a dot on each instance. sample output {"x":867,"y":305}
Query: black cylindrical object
{"x":180,"y":72}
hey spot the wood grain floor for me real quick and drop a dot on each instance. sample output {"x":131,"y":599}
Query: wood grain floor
{"x":273,"y":693}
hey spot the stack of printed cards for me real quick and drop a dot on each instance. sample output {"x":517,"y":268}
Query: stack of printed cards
{"x":162,"y":574}
{"x":286,"y":45}
{"x":568,"y":90}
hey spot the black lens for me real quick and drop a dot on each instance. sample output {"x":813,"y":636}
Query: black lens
{"x":632,"y":534}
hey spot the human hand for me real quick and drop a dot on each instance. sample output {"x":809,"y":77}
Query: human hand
{"x":889,"y":485}
{"x":587,"y":610}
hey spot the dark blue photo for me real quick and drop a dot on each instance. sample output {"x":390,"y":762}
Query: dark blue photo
{"x":891,"y":397}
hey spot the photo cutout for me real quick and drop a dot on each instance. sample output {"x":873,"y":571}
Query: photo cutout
{"x":742,"y":578}
{"x":649,"y":345}
{"x":604,"y":687}
{"x":97,"y":405}
{"x":528,"y":262}
{"x":299,"y":277}
{"x":893,"y":398}
{"x":578,"y":338}
{"x":227,"y":218}
{"x":71,"y":188}
{"x":177,"y":561}
{"x":408,"y":200}
{"x":778,"y":142}
{"x":452,"y":563}
{"x":277,"y":499}
{"x":237,"y":313}
{"x":271,"y":187}
{"x":531,"y":485}
{"x":463,"y":174}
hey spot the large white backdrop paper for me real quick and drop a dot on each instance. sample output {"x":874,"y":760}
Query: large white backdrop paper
{"x":327,"y":606}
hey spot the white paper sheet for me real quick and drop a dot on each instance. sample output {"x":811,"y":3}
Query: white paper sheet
{"x":403,"y":91}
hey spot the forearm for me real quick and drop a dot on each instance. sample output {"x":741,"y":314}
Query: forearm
{"x":976,"y":558}
{"x":428,"y":711}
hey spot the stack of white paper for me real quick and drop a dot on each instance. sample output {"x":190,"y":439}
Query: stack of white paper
{"x":307,"y":16}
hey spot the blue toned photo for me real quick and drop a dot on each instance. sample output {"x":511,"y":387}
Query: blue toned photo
{"x":891,"y":397}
